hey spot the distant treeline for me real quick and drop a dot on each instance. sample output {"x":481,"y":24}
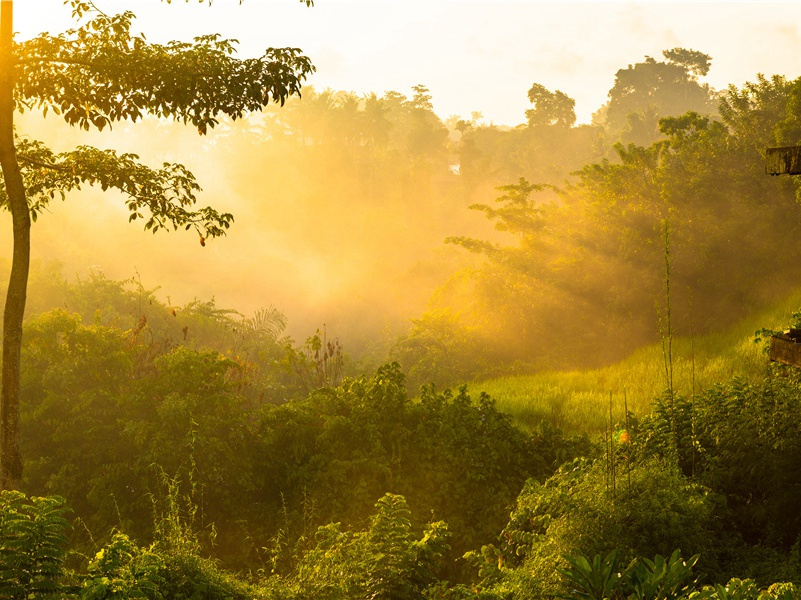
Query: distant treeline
{"x":657,"y":217}
{"x":342,"y":203}
{"x":673,"y":227}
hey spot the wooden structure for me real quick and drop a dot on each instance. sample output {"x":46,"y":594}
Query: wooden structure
{"x":786,"y":347}
{"x":783,"y":161}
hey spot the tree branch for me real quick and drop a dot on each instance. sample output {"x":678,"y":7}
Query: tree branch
{"x":36,"y":163}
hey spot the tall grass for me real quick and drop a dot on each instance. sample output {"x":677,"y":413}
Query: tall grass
{"x":578,"y":401}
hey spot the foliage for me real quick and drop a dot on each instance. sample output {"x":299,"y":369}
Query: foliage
{"x":578,"y":264}
{"x":448,"y":453}
{"x":32,"y":546}
{"x":185,"y":573}
{"x":747,"y":589}
{"x":649,"y":90}
{"x":581,"y":510}
{"x":661,"y":578}
{"x":92,"y":75}
{"x":644,"y":579}
{"x":318,"y":363}
{"x":148,"y":395}
{"x":384,"y":561}
{"x":100,"y":72}
{"x":252,"y":468}
{"x":593,"y":580}
{"x":742,"y":440}
{"x":757,"y":114}
{"x":120,"y":383}
{"x":550,"y":108}
{"x":440,"y":349}
{"x":122,"y":570}
{"x":167,"y":193}
{"x":114,"y":408}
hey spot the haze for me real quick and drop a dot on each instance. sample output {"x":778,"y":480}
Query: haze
{"x":474,"y":55}
{"x":348,"y":266}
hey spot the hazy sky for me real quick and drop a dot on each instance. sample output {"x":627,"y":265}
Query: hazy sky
{"x":476,"y":55}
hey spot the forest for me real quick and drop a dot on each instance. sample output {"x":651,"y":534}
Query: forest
{"x":519,"y":362}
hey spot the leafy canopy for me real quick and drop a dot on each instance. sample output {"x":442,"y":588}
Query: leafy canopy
{"x":100,"y":72}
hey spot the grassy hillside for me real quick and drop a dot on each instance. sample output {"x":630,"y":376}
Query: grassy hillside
{"x":578,"y":401}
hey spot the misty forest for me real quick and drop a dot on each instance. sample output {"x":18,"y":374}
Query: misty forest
{"x":397,"y":355}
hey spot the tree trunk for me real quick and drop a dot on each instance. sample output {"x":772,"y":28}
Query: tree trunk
{"x":10,"y":457}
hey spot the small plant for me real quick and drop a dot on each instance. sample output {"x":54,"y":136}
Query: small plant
{"x":122,"y":570}
{"x":32,"y":541}
{"x":595,"y":580}
{"x":318,"y":363}
{"x":763,"y":335}
{"x":385,"y":561}
{"x":661,"y":578}
{"x":658,"y":579}
{"x":736,"y":589}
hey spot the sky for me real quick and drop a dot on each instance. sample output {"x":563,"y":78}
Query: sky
{"x":475,"y":55}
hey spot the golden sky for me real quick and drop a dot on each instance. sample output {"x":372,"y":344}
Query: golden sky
{"x":476,"y":55}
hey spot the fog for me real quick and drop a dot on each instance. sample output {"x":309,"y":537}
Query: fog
{"x":307,"y":237}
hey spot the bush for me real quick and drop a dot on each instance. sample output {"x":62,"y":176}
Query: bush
{"x":578,"y":512}
{"x":743,"y":441}
{"x":32,"y":546}
{"x":385,"y":561}
{"x":122,"y":570}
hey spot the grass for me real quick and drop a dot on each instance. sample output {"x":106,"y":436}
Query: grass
{"x":578,"y":401}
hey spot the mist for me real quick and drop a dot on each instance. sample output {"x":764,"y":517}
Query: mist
{"x":314,"y":235}
{"x":459,"y":248}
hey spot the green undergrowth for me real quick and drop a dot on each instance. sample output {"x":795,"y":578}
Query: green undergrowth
{"x":579,"y":401}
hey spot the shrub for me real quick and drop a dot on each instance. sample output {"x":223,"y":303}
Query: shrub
{"x":385,"y":561}
{"x":122,"y":570}
{"x":578,"y":512}
{"x":32,"y":546}
{"x":743,"y":441}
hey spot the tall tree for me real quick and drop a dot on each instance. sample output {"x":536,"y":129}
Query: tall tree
{"x":92,"y":75}
{"x":648,"y":90}
{"x":550,"y":108}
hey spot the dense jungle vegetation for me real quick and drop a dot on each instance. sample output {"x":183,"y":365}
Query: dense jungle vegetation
{"x":185,"y":450}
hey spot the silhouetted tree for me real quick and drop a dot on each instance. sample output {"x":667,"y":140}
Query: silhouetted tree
{"x":653,"y":89}
{"x":550,"y":108}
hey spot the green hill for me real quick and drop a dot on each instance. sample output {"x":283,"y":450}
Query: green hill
{"x":578,"y":401}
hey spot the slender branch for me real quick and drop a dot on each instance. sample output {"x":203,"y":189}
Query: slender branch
{"x":96,"y":9}
{"x":52,"y":61}
{"x":36,"y":163}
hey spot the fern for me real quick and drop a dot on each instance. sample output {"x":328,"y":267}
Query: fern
{"x":32,"y":541}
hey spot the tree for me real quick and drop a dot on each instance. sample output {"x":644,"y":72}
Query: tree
{"x":694,"y":61}
{"x":651,"y":89}
{"x":550,"y":108}
{"x":93,"y":75}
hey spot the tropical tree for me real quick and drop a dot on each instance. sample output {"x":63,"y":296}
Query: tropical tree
{"x":648,"y":90}
{"x":550,"y":108}
{"x":92,"y":75}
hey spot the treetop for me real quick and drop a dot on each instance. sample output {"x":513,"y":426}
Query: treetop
{"x":100,"y":72}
